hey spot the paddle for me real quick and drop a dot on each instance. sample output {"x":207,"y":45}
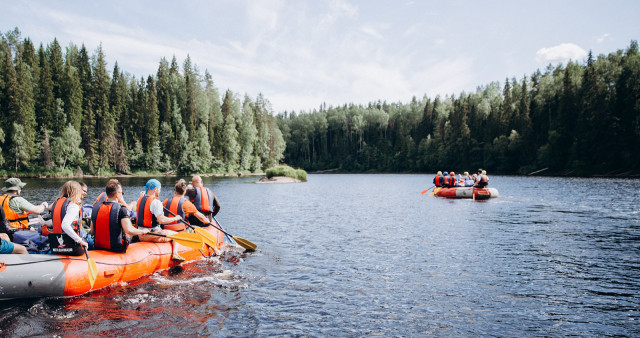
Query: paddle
{"x":425,"y":191}
{"x":93,"y":268}
{"x":243,"y":242}
{"x":183,"y":238}
{"x":208,"y":238}
{"x":435,"y":191}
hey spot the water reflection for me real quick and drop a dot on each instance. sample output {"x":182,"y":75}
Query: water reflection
{"x":352,"y":255}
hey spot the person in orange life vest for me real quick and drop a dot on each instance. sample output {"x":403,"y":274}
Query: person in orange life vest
{"x":204,"y":200}
{"x":110,"y":222}
{"x":6,"y":246}
{"x":482,"y":180}
{"x":182,"y":207}
{"x":452,"y":180}
{"x":150,"y":214}
{"x":67,"y":214}
{"x":17,"y":208}
{"x":103,"y":197}
{"x":438,"y":181}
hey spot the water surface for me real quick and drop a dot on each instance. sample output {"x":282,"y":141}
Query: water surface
{"x":353,"y":255}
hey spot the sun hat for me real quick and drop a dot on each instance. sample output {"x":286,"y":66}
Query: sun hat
{"x":13,"y":183}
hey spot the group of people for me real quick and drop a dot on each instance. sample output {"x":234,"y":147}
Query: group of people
{"x":111,"y":227}
{"x":449,"y":180}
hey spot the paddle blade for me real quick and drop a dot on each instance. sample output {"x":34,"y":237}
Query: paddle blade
{"x":93,"y":269}
{"x":209,"y":238}
{"x":435,"y":191}
{"x":424,"y":191}
{"x":245,"y":243}
{"x":188,"y":239}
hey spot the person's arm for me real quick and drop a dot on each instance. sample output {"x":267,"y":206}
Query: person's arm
{"x":130,"y":230}
{"x":158,"y":211}
{"x":216,"y":205}
{"x":73,"y":210}
{"x":202,"y":217}
{"x":190,"y":209}
{"x":25,"y":205}
{"x":5,"y":237}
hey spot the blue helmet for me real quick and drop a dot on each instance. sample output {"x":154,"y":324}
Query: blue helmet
{"x":445,"y":173}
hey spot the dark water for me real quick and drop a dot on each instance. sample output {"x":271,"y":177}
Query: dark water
{"x":353,"y":255}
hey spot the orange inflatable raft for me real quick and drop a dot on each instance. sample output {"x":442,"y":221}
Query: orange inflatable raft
{"x":27,"y":276}
{"x":466,"y":192}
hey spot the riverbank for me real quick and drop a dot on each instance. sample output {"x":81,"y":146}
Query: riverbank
{"x":278,"y":179}
{"x":139,"y":174}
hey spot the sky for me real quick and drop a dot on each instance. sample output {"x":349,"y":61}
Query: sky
{"x":300,"y":54}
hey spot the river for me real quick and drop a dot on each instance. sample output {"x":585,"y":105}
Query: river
{"x":354,"y":255}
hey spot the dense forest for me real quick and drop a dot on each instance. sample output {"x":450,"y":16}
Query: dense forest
{"x":576,"y":119}
{"x":63,"y":111}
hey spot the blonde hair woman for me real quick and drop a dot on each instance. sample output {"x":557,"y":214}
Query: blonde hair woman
{"x":66,"y":211}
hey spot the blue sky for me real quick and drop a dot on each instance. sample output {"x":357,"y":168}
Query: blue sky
{"x":299,"y":54}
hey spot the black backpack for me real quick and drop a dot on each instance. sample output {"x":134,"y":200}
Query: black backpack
{"x":3,"y":223}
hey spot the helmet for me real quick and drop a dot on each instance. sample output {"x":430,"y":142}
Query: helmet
{"x":466,"y":173}
{"x":445,"y":173}
{"x":484,"y":172}
{"x":452,"y":173}
{"x":439,"y":173}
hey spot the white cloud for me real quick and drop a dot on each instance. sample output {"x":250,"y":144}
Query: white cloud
{"x":602,"y":37}
{"x":560,"y":54}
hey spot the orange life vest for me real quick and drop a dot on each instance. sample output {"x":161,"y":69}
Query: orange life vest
{"x":59,"y":208}
{"x":175,"y":206}
{"x":17,"y":221}
{"x":144,"y":216}
{"x":101,"y":198}
{"x":109,"y":234}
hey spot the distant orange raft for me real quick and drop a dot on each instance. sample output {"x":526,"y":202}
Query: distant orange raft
{"x":28,"y":276}
{"x":466,"y":192}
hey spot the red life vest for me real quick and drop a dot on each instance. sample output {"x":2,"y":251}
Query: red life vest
{"x":108,"y":230}
{"x":144,"y":216}
{"x":59,"y":208}
{"x":203,"y":200}
{"x":484,"y":178}
{"x":438,"y":181}
{"x":101,"y":198}
{"x":17,"y":221}
{"x":175,"y":206}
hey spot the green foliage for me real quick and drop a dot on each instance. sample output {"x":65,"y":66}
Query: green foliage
{"x":1,"y":142}
{"x":171,"y":120}
{"x":66,"y":148}
{"x":285,"y":170}
{"x":573,"y":119}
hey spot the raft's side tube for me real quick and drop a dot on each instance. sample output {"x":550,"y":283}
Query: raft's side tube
{"x":33,"y":275}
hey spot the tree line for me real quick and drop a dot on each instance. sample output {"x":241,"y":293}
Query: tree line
{"x":573,"y":119}
{"x":64,"y":110}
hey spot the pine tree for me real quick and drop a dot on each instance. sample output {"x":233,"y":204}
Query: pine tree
{"x":45,"y":101}
{"x":152,"y":114}
{"x":104,"y":119}
{"x":19,"y":148}
{"x":26,"y":113}
{"x":231,"y":148}
{"x":56,"y":66}
{"x":72,"y":94}
{"x":189,"y":111}
{"x":88,"y":126}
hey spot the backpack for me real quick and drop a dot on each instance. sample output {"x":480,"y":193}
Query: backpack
{"x":4,"y":223}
